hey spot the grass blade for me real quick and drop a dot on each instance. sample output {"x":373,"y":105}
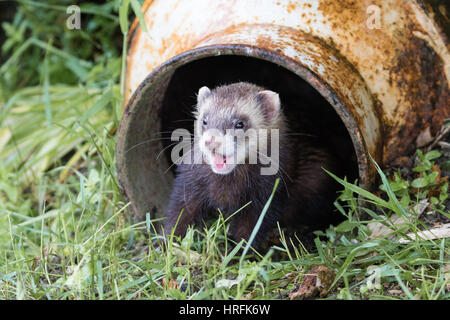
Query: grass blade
{"x":259,"y":222}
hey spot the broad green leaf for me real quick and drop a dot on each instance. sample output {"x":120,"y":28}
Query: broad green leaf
{"x":346,"y":226}
{"x":433,"y":154}
{"x":405,"y":200}
{"x":444,"y":192}
{"x":419,"y":183}
{"x":421,"y":168}
{"x":432,"y":177}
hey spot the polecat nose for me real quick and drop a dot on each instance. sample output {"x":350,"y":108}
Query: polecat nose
{"x":212,"y":143}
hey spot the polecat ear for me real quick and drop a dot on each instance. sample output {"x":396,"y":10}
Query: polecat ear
{"x":270,"y":101}
{"x":203,"y":93}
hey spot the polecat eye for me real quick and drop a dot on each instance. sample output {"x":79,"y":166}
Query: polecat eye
{"x":239,"y":125}
{"x":204,"y":122}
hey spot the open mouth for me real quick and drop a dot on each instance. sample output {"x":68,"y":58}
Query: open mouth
{"x":222,"y":164}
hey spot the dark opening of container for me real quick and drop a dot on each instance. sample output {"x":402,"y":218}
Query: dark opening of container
{"x":306,"y":110}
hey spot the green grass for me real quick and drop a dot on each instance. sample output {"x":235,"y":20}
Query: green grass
{"x":66,"y":231}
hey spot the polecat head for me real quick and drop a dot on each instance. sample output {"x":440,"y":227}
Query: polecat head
{"x":228,"y":122}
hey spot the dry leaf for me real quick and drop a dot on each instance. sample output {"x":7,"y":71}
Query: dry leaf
{"x":419,"y":208}
{"x":402,"y":162}
{"x":173,"y":284}
{"x":249,"y":296}
{"x":424,"y":138}
{"x":184,"y":257}
{"x":434,"y":233}
{"x":378,"y":229}
{"x":316,"y":282}
{"x":228,"y":283}
{"x":444,"y":145}
{"x":395,"y":292}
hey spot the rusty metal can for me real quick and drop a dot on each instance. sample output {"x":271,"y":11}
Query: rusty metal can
{"x":383,"y":67}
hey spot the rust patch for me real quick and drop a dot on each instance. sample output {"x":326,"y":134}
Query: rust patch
{"x":418,"y":73}
{"x":417,"y":94}
{"x":292,"y":5}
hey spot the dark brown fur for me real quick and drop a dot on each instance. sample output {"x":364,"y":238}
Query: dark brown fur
{"x":304,"y":195}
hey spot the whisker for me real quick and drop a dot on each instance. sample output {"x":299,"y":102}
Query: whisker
{"x":153,"y":140}
{"x":184,"y":120}
{"x":164,"y":149}
{"x":144,"y":142}
{"x":164,"y":132}
{"x":182,"y":158}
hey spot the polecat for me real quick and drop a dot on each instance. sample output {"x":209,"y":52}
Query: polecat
{"x":228,"y":179}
